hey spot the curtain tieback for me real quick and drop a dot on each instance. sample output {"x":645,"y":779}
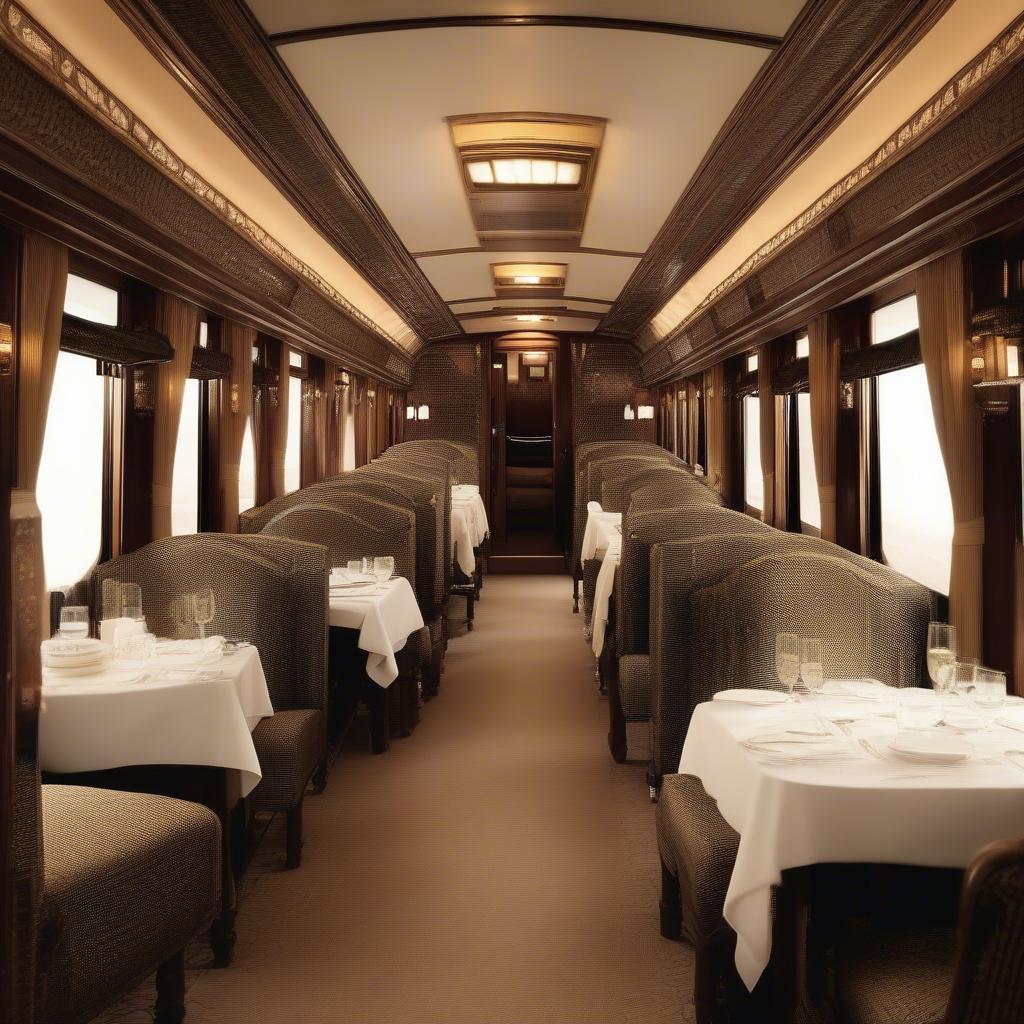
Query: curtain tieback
{"x":969,"y":534}
{"x":23,"y":504}
{"x":161,"y":496}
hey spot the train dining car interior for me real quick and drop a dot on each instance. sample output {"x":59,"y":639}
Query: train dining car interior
{"x":511,"y":513}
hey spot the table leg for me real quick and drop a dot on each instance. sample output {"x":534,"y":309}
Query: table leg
{"x":380,"y":717}
{"x":789,"y":936}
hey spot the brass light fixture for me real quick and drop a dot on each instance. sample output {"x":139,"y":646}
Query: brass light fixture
{"x":6,"y":350}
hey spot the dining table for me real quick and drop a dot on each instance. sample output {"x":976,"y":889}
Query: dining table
{"x":600,"y":529}
{"x":603,"y":591}
{"x":819,"y":780}
{"x":469,"y":526}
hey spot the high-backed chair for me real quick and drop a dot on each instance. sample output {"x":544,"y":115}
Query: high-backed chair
{"x":273,"y":593}
{"x":970,"y":975}
{"x":463,"y":457}
{"x":617,"y":492}
{"x":870,"y":627}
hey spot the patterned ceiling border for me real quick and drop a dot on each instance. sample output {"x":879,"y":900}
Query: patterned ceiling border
{"x":832,"y":52}
{"x":63,"y":69}
{"x":221,"y":55}
{"x":960,"y":91}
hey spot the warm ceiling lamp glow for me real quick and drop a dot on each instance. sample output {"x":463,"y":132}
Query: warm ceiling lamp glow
{"x":532,"y":318}
{"x":526,"y":279}
{"x":524,"y":171}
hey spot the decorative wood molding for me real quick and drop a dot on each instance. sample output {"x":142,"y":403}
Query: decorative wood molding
{"x":222,"y":57}
{"x":831,"y":54}
{"x":549,"y":246}
{"x":564,"y":298}
{"x":513,"y":311}
{"x":78,"y":177}
{"x":722,"y":35}
{"x":935,"y":185}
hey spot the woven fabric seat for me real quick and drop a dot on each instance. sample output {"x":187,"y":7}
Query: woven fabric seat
{"x":288,"y":747}
{"x":634,"y":687}
{"x":698,"y":846}
{"x":900,"y":977}
{"x":129,"y":880}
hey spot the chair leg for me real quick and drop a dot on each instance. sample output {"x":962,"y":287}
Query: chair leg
{"x":378,"y":701}
{"x":293,"y":837}
{"x":223,"y":938}
{"x":170,"y":990}
{"x":575,"y":594}
{"x":671,"y":906}
{"x":470,"y":600}
{"x":320,"y":777}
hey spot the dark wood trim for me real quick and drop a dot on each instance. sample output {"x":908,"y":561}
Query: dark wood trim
{"x":549,"y":246}
{"x":556,"y":311}
{"x":960,"y":183}
{"x":530,"y":565}
{"x":854,"y":324}
{"x":223,"y":58}
{"x":358,"y":28}
{"x":63,"y":173}
{"x":832,"y":53}
{"x":564,"y":298}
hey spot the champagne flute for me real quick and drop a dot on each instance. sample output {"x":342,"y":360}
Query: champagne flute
{"x":74,"y":622}
{"x":812,"y":671}
{"x":787,"y":660}
{"x":204,"y":608}
{"x":941,"y":661}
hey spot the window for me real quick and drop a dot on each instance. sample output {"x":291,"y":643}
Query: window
{"x":348,"y":432}
{"x":247,"y":471}
{"x":803,"y":346}
{"x":913,"y":491}
{"x":69,"y":489}
{"x":293,"y":445}
{"x":185,"y":485}
{"x":752,"y":362}
{"x":753,"y":481}
{"x":810,"y":509}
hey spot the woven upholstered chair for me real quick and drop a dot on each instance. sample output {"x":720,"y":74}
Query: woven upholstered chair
{"x":630,"y":696}
{"x":128,"y":879}
{"x":872,"y":624}
{"x":974,"y":975}
{"x":463,"y":457}
{"x":617,"y":492}
{"x":664,"y":492}
{"x":273,"y":593}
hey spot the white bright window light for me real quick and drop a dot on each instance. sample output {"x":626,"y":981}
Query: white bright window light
{"x":424,"y":412}
{"x":410,"y":412}
{"x":628,"y":414}
{"x":645,"y":412}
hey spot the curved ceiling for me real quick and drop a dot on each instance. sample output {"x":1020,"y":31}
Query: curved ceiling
{"x":384,"y":97}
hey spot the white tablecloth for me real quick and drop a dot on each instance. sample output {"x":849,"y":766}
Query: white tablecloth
{"x":476,"y":511}
{"x":601,"y":527}
{"x":463,"y":538}
{"x":603,"y":592}
{"x":385,"y":617}
{"x":858,"y":809}
{"x":91,"y":723}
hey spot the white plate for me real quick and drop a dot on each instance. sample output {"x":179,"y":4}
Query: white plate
{"x":101,"y":677}
{"x":73,"y":671}
{"x":757,"y":698}
{"x":930,"y":748}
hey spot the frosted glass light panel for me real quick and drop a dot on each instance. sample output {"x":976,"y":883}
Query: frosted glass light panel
{"x":91,"y":301}
{"x":185,"y":485}
{"x":894,"y":320}
{"x":917,"y":512}
{"x":803,"y":346}
{"x":69,"y":490}
{"x":810,"y":509}
{"x":293,"y":448}
{"x":753,"y":481}
{"x":247,"y":471}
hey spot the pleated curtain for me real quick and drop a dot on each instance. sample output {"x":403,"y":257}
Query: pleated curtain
{"x":766,"y":408}
{"x":942,"y":306}
{"x":716,"y":411}
{"x":325,"y":424}
{"x":693,"y":426}
{"x":44,"y":279}
{"x":179,"y":320}
{"x":823,"y":374}
{"x":277,"y":427}
{"x":235,"y":410}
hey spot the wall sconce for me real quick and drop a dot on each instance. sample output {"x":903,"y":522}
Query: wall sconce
{"x":627,"y":413}
{"x":274,"y":398}
{"x":6,"y":350}
{"x":997,"y":334}
{"x":371,"y":395}
{"x":846,"y":395}
{"x":410,"y":412}
{"x":645,"y":412}
{"x":235,"y":397}
{"x":413,"y":412}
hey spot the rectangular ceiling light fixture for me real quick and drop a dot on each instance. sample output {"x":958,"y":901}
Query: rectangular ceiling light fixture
{"x":529,"y":280}
{"x":528,"y":177}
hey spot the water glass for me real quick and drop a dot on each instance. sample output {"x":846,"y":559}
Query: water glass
{"x":383,"y":567}
{"x":112,"y":600}
{"x":989,"y":694}
{"x":131,"y":601}
{"x":357,"y":566}
{"x":74,"y":622}
{"x":812,"y":671}
{"x":204,"y":608}
{"x":787,"y":660}
{"x":917,"y":709}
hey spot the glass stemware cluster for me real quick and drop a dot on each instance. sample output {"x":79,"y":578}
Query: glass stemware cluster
{"x":982,"y":689}
{"x":381,"y":567}
{"x":799,"y":659}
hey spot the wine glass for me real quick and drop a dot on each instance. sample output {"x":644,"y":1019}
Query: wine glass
{"x":811,"y":671}
{"x":941,"y":661}
{"x":988,"y":695}
{"x":787,"y":660}
{"x":204,"y":608}
{"x":383,"y":567}
{"x":74,"y":622}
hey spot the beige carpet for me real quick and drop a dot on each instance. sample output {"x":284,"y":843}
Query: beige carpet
{"x":494,"y":868}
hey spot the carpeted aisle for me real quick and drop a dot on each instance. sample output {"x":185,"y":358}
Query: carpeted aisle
{"x":496,"y":866}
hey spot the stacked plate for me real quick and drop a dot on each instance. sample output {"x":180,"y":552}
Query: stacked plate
{"x":82,"y":657}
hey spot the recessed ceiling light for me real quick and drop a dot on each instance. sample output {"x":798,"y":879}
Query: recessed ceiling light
{"x":526,"y":171}
{"x":526,"y":279}
{"x":532,"y":318}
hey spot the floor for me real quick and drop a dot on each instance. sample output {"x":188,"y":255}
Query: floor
{"x":494,"y":868}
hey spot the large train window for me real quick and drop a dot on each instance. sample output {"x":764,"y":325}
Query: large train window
{"x":916,"y":510}
{"x":247,"y":471}
{"x":753,"y":481}
{"x":185,"y":484}
{"x":69,"y":489}
{"x":293,"y":448}
{"x":348,"y":432}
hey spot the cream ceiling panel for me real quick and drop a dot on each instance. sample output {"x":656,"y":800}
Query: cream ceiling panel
{"x":771,"y":17}
{"x":478,"y":307}
{"x":104,"y":44}
{"x":502,"y":324}
{"x":384,"y":96}
{"x":468,"y":274}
